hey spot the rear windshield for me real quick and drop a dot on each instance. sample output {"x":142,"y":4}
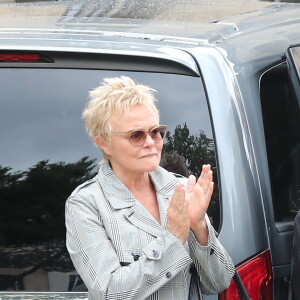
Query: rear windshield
{"x":46,"y":153}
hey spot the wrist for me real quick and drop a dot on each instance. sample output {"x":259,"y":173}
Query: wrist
{"x":199,"y":225}
{"x":200,"y":231}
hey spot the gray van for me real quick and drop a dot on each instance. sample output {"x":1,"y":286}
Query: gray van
{"x":228,"y":90}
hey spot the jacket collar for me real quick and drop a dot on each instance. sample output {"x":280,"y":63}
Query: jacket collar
{"x":119,"y":195}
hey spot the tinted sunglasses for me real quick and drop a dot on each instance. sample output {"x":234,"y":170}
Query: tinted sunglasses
{"x":138,"y":137}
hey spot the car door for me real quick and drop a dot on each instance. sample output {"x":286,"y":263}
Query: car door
{"x":279,"y":94}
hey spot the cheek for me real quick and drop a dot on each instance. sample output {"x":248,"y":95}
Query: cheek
{"x":128,"y":151}
{"x":159,"y":149}
{"x":159,"y":146}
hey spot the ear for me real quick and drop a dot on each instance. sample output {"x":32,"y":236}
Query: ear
{"x":103,"y":145}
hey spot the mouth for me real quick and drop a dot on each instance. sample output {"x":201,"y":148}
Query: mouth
{"x":149,"y":155}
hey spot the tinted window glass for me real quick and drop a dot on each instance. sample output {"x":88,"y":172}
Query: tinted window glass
{"x":281,"y":117}
{"x":45,"y":154}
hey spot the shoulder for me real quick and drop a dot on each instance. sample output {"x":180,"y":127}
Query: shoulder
{"x":87,"y":195}
{"x":85,"y":188}
{"x":93,"y":185}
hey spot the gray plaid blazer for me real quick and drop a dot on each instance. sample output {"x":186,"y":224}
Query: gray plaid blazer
{"x":121,"y":252}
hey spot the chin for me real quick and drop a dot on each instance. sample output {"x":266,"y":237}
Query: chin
{"x":150,"y":167}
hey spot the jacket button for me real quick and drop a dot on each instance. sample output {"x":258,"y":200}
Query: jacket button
{"x":211,"y":251}
{"x":136,"y":257}
{"x":155,"y":254}
{"x":168,"y":274}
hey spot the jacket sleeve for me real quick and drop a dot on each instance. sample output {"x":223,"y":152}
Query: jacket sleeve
{"x":97,"y":263}
{"x":212,"y":262}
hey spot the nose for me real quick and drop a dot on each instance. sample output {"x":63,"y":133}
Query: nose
{"x":148,"y":141}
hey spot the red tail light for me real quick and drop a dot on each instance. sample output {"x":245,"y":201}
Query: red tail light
{"x":256,"y":275}
{"x":23,"y":57}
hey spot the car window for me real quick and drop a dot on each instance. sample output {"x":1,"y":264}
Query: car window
{"x":46,"y":153}
{"x":293,"y":63}
{"x":281,"y":117}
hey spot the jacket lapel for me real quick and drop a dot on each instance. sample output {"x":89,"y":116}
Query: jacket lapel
{"x":120,"y":197}
{"x":142,"y":219}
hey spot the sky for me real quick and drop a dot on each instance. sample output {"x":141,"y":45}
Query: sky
{"x":40,"y":115}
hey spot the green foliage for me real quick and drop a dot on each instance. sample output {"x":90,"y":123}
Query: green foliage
{"x":32,"y":207}
{"x":196,"y":150}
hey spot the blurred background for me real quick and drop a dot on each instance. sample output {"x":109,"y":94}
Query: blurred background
{"x":168,"y":10}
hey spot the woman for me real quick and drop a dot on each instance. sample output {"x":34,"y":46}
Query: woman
{"x":135,"y":230}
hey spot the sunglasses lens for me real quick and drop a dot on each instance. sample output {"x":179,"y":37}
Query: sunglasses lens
{"x":158,"y":133}
{"x":137,"y":137}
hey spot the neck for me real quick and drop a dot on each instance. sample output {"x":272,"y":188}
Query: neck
{"x":135,"y":182}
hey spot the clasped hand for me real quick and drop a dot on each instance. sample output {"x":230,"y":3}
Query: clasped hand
{"x":188,"y":206}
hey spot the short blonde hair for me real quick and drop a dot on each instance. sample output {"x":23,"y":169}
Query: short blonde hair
{"x":114,"y":95}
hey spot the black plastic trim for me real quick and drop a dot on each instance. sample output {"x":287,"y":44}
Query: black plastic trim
{"x":95,"y":61}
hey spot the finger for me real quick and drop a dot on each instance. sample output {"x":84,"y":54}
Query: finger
{"x":181,"y":200}
{"x":203,"y":174}
{"x":190,"y":187}
{"x":186,"y":201}
{"x":185,"y":210}
{"x":205,"y":177}
{"x":204,"y":199}
{"x":208,"y":194}
{"x":191,"y":183}
{"x":175,"y":193}
{"x":176,"y":200}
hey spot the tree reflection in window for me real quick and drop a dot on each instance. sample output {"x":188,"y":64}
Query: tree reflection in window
{"x":195,"y":150}
{"x":32,"y":222}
